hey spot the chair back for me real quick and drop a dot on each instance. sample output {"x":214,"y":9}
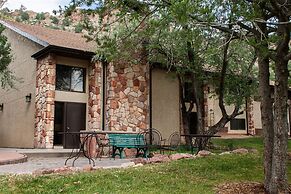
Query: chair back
{"x":174,"y":139}
{"x":153,"y":137}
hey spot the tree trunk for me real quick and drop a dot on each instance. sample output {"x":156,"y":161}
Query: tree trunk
{"x":279,"y":172}
{"x":184,"y":111}
{"x":266,"y":117}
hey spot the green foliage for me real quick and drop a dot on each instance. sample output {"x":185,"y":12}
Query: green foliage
{"x":40,"y":16}
{"x":54,"y":20}
{"x":18,"y":19}
{"x":78,"y":28}
{"x":24,"y":16}
{"x":7,"y":78}
{"x":66,"y":22}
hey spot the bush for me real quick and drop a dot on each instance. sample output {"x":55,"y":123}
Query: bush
{"x":24,"y":16}
{"x":40,"y":16}
{"x":66,"y":22}
{"x":54,"y":20}
{"x":78,"y":28}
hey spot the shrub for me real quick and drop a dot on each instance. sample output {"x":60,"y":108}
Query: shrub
{"x":24,"y":16}
{"x":40,"y":16}
{"x":54,"y":20}
{"x":66,"y":22}
{"x":78,"y":28}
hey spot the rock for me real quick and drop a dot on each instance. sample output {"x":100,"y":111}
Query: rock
{"x":139,"y":161}
{"x":204,"y":153}
{"x":224,"y":153}
{"x":130,"y":153}
{"x":179,"y":156}
{"x":138,"y":165}
{"x":254,"y":151}
{"x":240,"y":151}
{"x":87,"y":168}
{"x":128,"y":164}
{"x":43,"y":171}
{"x":63,"y":170}
{"x":159,"y":159}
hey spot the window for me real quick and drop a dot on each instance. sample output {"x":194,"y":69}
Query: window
{"x":70,"y":78}
{"x":238,"y":124}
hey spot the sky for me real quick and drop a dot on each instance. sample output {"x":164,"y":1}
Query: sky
{"x":37,"y":5}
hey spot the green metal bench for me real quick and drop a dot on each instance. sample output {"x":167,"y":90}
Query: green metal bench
{"x":121,"y":141}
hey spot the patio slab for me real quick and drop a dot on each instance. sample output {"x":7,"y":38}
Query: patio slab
{"x":38,"y":163}
{"x":12,"y":158}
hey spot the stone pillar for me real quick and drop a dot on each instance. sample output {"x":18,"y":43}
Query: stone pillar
{"x":45,"y":102}
{"x":250,"y":116}
{"x":94,"y":102}
{"x":127,"y":97}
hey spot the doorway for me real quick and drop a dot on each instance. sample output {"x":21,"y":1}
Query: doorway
{"x":193,"y":123}
{"x":69,"y":117}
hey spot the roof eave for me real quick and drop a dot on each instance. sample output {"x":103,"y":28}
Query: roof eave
{"x":64,"y":51}
{"x":25,"y":34}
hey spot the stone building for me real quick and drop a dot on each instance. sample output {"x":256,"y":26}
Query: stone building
{"x":61,"y":89}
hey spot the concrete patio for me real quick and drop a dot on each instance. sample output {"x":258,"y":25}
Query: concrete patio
{"x":27,"y":161}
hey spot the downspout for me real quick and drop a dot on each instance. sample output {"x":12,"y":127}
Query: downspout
{"x":150,"y":103}
{"x":150,"y":96}
{"x":104,"y":68}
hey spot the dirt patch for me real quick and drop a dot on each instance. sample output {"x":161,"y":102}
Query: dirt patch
{"x":240,"y":188}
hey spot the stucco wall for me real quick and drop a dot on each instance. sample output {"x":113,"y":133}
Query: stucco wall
{"x":17,"y":118}
{"x":257,"y":115}
{"x":165,"y":102}
{"x":215,"y":116}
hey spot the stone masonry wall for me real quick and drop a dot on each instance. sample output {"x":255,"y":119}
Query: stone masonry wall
{"x":94,"y":102}
{"x":44,"y":102}
{"x":127,"y":98}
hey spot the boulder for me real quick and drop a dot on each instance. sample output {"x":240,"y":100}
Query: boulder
{"x":240,"y":151}
{"x":88,"y":168}
{"x":179,"y":156}
{"x":139,"y":161}
{"x":138,"y":165}
{"x":43,"y":171}
{"x":224,"y":153}
{"x":130,"y":153}
{"x":128,"y":164}
{"x":254,"y":151}
{"x":159,"y":159}
{"x":204,"y":153}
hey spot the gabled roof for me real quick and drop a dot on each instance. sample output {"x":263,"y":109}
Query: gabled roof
{"x":51,"y":37}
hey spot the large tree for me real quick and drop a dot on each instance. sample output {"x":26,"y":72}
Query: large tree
{"x":173,"y":39}
{"x":263,"y":24}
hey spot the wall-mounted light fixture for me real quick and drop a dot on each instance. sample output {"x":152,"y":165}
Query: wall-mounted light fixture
{"x":1,"y":107}
{"x":28,"y":97}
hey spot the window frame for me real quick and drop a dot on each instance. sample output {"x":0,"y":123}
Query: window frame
{"x":70,"y":84}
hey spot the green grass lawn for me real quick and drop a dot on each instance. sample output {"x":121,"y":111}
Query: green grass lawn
{"x":185,"y":176}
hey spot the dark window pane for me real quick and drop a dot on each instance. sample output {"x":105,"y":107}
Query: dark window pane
{"x":70,"y":78}
{"x":63,"y":78}
{"x":238,"y":124}
{"x":77,"y":80}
